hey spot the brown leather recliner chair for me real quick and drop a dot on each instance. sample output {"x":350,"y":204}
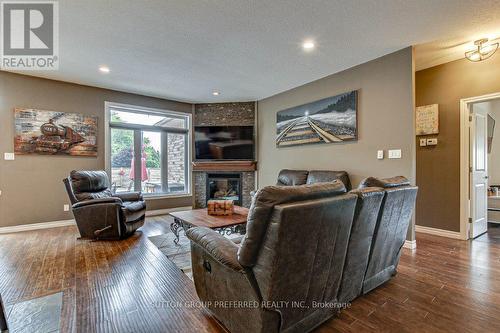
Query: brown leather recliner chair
{"x":290,"y":259}
{"x":100,"y":213}
{"x":288,"y":177}
{"x":390,"y":230}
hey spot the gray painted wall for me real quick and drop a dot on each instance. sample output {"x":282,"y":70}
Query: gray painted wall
{"x":32,"y":188}
{"x":385,"y":121}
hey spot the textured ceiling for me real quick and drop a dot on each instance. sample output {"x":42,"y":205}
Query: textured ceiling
{"x":446,"y":50}
{"x":248,"y":50}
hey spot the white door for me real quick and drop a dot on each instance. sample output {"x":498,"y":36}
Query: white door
{"x":479,"y":171}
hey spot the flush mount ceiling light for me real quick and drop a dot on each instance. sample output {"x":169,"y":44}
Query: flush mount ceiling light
{"x":104,"y":69}
{"x":215,"y":93}
{"x":482,"y":51}
{"x":308,"y":45}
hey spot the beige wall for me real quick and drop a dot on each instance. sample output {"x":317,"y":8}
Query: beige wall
{"x":32,"y":188}
{"x":438,"y":168}
{"x":385,"y":121}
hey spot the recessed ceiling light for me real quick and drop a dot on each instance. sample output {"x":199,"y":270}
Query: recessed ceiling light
{"x":104,"y":69}
{"x":216,"y":93}
{"x":308,"y":45}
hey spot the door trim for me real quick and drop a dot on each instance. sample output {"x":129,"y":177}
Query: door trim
{"x":465,"y":161}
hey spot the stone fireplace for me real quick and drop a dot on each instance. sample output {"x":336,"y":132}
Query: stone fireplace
{"x":203,"y":180}
{"x":224,"y":179}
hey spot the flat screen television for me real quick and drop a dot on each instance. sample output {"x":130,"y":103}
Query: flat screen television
{"x":224,"y":143}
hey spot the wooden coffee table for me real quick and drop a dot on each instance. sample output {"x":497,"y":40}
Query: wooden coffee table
{"x":225,"y":225}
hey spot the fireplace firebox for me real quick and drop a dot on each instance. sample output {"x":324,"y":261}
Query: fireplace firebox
{"x":224,"y":186}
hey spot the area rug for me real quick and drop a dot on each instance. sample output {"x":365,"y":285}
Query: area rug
{"x":180,"y":254}
{"x":41,"y":314}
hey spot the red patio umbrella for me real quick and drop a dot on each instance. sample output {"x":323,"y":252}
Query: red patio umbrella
{"x":144,"y":171}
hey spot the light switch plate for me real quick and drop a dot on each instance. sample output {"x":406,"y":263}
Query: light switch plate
{"x":423,"y":142}
{"x":66,"y":208}
{"x":432,"y":142}
{"x":380,"y":154}
{"x":8,"y":156}
{"x":395,"y":153}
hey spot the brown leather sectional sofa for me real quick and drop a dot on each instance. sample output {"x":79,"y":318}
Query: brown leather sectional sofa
{"x":308,"y":248}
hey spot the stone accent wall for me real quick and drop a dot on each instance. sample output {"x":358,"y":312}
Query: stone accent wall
{"x":225,"y":114}
{"x":200,"y":188}
{"x":248,"y":185}
{"x":176,"y":157}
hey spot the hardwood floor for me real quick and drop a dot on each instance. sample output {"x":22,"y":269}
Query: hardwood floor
{"x":445,"y":285}
{"x":492,"y":235}
{"x":125,"y":286}
{"x":108,"y":286}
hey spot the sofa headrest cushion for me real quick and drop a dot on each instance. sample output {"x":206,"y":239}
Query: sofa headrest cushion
{"x":262,"y":206}
{"x":321,"y":176}
{"x":384,"y":182}
{"x":292,"y":177}
{"x":278,"y":195}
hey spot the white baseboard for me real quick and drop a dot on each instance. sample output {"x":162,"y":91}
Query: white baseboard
{"x":157,"y":212}
{"x":64,"y":223}
{"x":36,"y":226}
{"x":438,"y":232}
{"x":412,"y":245}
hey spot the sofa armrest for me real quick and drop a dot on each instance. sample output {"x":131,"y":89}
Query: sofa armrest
{"x":217,"y":246}
{"x":109,"y":200}
{"x":129,"y":196}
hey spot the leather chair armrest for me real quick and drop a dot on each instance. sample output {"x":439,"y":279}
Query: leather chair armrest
{"x":112,"y":200}
{"x":217,"y":246}
{"x":129,"y":196}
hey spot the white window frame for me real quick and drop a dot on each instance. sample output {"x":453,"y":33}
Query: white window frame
{"x":108,"y":106}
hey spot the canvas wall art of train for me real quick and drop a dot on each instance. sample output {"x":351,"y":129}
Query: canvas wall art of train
{"x":328,"y":120}
{"x":54,"y":133}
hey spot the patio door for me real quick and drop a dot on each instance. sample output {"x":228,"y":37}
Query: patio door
{"x":147,"y":150}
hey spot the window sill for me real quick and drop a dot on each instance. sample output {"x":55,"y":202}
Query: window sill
{"x":166,"y":196}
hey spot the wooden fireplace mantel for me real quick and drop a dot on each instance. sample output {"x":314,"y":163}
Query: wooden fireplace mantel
{"x":224,"y":166}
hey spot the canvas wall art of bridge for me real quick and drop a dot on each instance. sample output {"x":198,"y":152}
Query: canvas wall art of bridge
{"x":328,"y":120}
{"x":54,"y":133}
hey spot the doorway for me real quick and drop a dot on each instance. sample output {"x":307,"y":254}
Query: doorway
{"x":480,"y":167}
